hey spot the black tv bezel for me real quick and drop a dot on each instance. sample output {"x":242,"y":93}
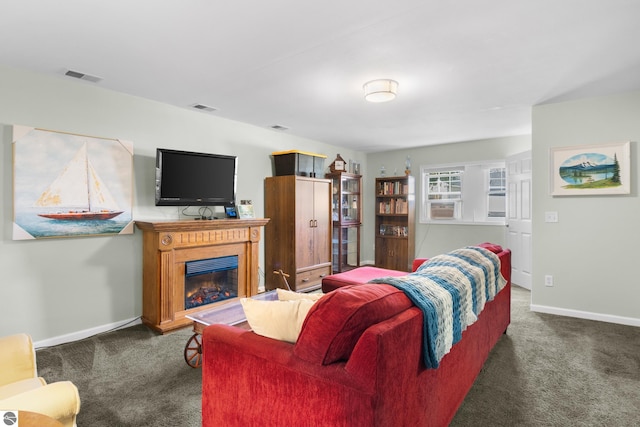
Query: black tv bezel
{"x":185,"y":201}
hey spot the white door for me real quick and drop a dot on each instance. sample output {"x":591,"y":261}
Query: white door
{"x":519,"y":218}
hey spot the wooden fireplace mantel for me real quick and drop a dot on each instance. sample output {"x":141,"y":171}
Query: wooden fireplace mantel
{"x":168,"y":245}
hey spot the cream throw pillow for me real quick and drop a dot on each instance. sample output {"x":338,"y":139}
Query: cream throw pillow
{"x":281,"y":320}
{"x":285,"y":295}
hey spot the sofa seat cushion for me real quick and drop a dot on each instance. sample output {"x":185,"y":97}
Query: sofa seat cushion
{"x":356,"y":276}
{"x":335,"y":323}
{"x":18,"y":387}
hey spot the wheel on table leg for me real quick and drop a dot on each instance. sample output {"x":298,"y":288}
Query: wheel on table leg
{"x":193,"y":351}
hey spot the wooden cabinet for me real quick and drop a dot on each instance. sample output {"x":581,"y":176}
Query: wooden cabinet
{"x":395,"y":222}
{"x":298,"y":235}
{"x":346,"y":217}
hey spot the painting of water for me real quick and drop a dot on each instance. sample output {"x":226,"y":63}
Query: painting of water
{"x":590,"y":170}
{"x":69,"y":185}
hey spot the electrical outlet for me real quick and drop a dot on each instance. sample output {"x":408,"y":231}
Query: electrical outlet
{"x":548,"y":280}
{"x":551,"y":217}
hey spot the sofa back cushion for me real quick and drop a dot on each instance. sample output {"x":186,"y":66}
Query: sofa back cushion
{"x":334,"y":324}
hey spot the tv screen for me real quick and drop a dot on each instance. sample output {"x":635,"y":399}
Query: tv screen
{"x":185,"y":178}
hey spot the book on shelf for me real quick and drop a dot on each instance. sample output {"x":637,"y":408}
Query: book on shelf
{"x":393,"y":230}
{"x":393,"y":206}
{"x":387,"y":188}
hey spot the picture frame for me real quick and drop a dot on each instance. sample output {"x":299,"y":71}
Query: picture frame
{"x":245,"y":209}
{"x":70,"y":185}
{"x":588,"y":170}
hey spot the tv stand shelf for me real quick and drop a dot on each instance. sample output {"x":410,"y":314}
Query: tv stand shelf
{"x":168,"y":245}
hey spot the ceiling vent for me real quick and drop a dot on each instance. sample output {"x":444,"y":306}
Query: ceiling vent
{"x":82,"y":76}
{"x":203,"y":107}
{"x":279,"y":127}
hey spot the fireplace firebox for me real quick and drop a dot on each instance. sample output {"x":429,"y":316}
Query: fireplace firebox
{"x":210,"y":280}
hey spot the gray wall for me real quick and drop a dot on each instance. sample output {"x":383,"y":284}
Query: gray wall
{"x":433,"y":239}
{"x":63,"y":289}
{"x":51,"y":288}
{"x":591,"y":252}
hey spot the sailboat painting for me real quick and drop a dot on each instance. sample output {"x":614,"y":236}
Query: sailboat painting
{"x":68,"y":185}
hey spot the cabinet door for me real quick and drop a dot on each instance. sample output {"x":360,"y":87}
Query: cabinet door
{"x":322,"y":222}
{"x":381,"y":253}
{"x":305,"y":213}
{"x":313,"y":223}
{"x":392,"y":254}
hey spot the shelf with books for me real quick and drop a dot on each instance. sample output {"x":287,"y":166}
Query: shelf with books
{"x":395,"y":222}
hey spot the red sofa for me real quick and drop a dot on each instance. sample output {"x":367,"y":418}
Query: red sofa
{"x":357,"y":362}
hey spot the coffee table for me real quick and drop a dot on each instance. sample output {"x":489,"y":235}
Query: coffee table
{"x":230,"y":313}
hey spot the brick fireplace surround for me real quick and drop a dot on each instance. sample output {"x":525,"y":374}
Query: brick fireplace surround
{"x":168,"y":245}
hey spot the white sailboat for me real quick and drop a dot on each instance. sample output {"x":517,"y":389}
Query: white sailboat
{"x":79,"y":193}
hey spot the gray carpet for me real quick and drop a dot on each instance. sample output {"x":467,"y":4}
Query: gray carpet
{"x":130,"y":377}
{"x":557,"y":371}
{"x":547,"y":371}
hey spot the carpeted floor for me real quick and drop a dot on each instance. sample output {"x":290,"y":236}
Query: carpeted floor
{"x":130,"y":377}
{"x":557,"y":371}
{"x":547,"y":371}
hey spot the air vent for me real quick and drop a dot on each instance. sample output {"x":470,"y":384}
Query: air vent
{"x":279,"y":127}
{"x":82,"y":76}
{"x":203,"y":107}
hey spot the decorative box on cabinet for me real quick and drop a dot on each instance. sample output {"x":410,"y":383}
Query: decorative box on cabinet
{"x":346,"y":217}
{"x":298,"y":236}
{"x":395,"y":222}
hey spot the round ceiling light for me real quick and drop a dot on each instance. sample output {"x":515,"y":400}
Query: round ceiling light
{"x":381,"y":90}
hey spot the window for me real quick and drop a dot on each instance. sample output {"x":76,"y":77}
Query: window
{"x":497,"y":193}
{"x":444,"y":194}
{"x":464,"y":193}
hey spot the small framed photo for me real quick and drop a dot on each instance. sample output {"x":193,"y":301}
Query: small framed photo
{"x":245,"y":209}
{"x":587,"y":170}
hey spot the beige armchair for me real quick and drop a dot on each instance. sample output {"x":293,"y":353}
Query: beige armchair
{"x":22,"y":389}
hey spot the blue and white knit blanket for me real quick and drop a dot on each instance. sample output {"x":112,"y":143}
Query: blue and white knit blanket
{"x":451,"y":290}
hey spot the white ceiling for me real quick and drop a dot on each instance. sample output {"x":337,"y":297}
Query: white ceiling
{"x":467,"y":69}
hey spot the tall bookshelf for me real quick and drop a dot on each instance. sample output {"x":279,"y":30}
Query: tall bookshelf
{"x":395,"y":222}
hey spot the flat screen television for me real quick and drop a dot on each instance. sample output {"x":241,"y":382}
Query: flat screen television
{"x":185,"y":178}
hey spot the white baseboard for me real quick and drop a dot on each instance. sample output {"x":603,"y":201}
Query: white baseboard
{"x":630,"y":321}
{"x":80,"y":335}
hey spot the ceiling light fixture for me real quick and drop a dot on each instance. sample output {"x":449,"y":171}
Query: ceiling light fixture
{"x":381,"y":90}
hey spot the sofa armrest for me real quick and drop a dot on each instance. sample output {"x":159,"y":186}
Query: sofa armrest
{"x":417,"y":263}
{"x":17,"y":358}
{"x":59,"y":400}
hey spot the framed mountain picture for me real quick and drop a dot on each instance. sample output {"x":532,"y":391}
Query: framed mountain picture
{"x":587,"y":170}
